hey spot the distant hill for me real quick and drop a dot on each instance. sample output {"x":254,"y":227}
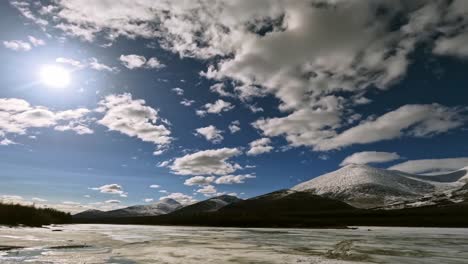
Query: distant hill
{"x":16,"y":214}
{"x":209,"y":205}
{"x":164,"y":206}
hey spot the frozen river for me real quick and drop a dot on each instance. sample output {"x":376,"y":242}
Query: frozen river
{"x":162,"y":244}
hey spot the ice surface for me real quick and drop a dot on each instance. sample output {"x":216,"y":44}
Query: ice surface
{"x":161,"y":244}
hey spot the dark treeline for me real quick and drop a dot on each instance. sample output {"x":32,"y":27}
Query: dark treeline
{"x":307,"y":212}
{"x":16,"y":214}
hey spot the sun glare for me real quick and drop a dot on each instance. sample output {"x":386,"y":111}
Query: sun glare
{"x":55,"y":76}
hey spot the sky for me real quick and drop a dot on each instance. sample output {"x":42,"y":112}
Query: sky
{"x":105,"y":104}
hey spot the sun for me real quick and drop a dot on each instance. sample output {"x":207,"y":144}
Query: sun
{"x":55,"y":76}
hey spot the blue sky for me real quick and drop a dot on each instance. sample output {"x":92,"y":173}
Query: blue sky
{"x":275,"y":93}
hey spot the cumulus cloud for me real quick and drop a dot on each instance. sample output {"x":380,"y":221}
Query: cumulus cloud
{"x":259,"y":146}
{"x":112,"y":201}
{"x":215,"y":108}
{"x":187,"y":102}
{"x":199,"y":180}
{"x":233,"y":179}
{"x":111,"y":189}
{"x":6,"y":142}
{"x":96,"y":65}
{"x":17,"y":116}
{"x":178,"y":91}
{"x":70,"y":62}
{"x":220,"y":89}
{"x":154,"y":186}
{"x":431,"y":165}
{"x":318,"y":128}
{"x":207,"y":190}
{"x":91,"y":63}
{"x":133,"y":61}
{"x":366,"y":157}
{"x":148,"y":200}
{"x":207,"y":162}
{"x":180,"y":197}
{"x":133,"y":118}
{"x":211,"y":133}
{"x":38,"y":200}
{"x":17,"y":45}
{"x":409,"y":120}
{"x":234,"y":126}
{"x":36,"y":41}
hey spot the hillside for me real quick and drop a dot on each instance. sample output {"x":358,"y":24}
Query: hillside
{"x":366,"y":187}
{"x":164,"y":206}
{"x":209,"y":205}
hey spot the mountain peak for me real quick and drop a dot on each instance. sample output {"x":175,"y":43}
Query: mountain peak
{"x":366,"y":186}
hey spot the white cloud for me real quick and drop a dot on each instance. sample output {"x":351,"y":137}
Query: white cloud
{"x":178,"y":91}
{"x":259,"y":146}
{"x":154,"y":63}
{"x":133,"y":61}
{"x":187,"y":102}
{"x":220,"y":89}
{"x":366,"y":157}
{"x":6,"y":142}
{"x":39,"y":200}
{"x":318,"y":128}
{"x":111,"y":189}
{"x":207,"y":162}
{"x":113,"y":201}
{"x":234,"y":126}
{"x":24,"y":8}
{"x":233,"y":179}
{"x":148,"y":200}
{"x":17,"y":116}
{"x":207,"y":190}
{"x":133,"y":118}
{"x":199,"y":180}
{"x":181,"y":198}
{"x":154,"y":186}
{"x":91,"y":63}
{"x":211,"y":133}
{"x":215,"y":108}
{"x":36,"y":41}
{"x":159,"y":152}
{"x":254,"y":108}
{"x":96,"y":65}
{"x":71,"y":62}
{"x":431,"y":165}
{"x":163,"y":164}
{"x":409,"y":120}
{"x":17,"y":45}
{"x":77,"y":128}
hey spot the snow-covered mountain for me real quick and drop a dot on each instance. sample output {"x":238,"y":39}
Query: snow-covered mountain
{"x":164,"y":206}
{"x":366,"y":187}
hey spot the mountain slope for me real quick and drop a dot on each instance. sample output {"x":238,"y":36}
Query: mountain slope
{"x":285,"y":202}
{"x":164,"y":206}
{"x":366,"y":187}
{"x":91,"y":213}
{"x":209,"y":205}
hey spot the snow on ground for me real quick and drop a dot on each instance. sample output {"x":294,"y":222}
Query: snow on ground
{"x":160,"y":244}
